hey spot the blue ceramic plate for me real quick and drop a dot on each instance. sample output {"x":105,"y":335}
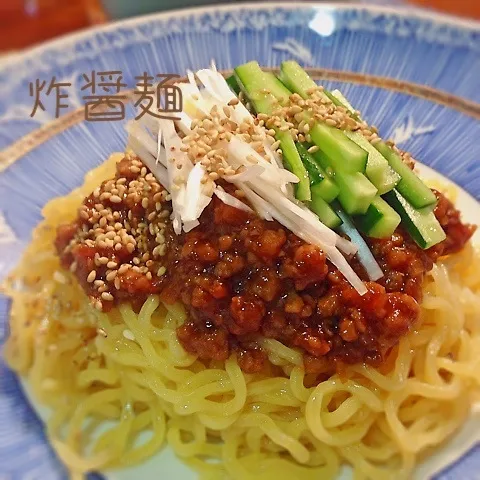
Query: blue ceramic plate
{"x":415,"y":76}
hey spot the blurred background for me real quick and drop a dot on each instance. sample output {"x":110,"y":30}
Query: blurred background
{"x":27,"y":22}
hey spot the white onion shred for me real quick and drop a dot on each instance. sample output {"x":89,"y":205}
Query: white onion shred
{"x":246,"y":175}
{"x":266,"y":184}
{"x":218,"y":88}
{"x":228,"y":199}
{"x":178,"y":168}
{"x":261,"y":206}
{"x":195,"y":199}
{"x":150,"y":160}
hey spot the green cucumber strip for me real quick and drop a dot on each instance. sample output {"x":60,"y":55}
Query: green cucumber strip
{"x":264,"y":91}
{"x":277,"y":88}
{"x":364,"y":255}
{"x":324,"y":162}
{"x":320,"y":183}
{"x":333,"y":99}
{"x":380,"y":221}
{"x":296,"y":79}
{"x":344,"y":154}
{"x":327,"y":190}
{"x":356,"y":192}
{"x":342,"y":102}
{"x":410,"y":186}
{"x":233,"y":84}
{"x":378,"y":170}
{"x":421,"y":224}
{"x":293,"y":162}
{"x":324,"y":212}
{"x":257,"y":84}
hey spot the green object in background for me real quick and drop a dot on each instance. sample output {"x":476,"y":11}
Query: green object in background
{"x":130,"y":8}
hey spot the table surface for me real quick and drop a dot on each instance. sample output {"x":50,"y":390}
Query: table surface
{"x":27,"y":22}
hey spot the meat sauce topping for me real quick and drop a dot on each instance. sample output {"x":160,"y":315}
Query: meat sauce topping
{"x":242,"y":278}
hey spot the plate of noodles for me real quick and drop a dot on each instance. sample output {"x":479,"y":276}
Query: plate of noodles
{"x":271,"y":272}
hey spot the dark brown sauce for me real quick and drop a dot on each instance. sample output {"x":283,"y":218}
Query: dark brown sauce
{"x":243,"y":278}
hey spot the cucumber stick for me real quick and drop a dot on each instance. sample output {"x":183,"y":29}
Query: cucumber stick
{"x":293,"y":162}
{"x":356,"y":191}
{"x":377,"y":168}
{"x":421,"y":224}
{"x":264,"y":90}
{"x":324,"y":212}
{"x":254,"y":82}
{"x":343,"y":102}
{"x":296,"y":79}
{"x":233,"y":84}
{"x":344,"y":153}
{"x":410,"y":186}
{"x":320,"y":183}
{"x":378,"y":171}
{"x":380,"y":221}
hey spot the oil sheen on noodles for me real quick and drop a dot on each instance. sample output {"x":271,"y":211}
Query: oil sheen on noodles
{"x":120,"y":385}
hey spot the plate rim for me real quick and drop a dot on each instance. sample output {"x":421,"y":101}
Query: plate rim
{"x":398,"y":11}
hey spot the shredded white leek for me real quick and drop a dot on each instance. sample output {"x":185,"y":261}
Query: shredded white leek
{"x":228,"y":199}
{"x":266,"y":184}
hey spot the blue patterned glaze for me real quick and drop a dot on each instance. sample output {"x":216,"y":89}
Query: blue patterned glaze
{"x":435,"y":51}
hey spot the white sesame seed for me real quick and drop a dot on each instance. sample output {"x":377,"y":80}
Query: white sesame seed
{"x":107,"y":296}
{"x":91,"y":276}
{"x":111,"y":276}
{"x":123,"y":268}
{"x":275,"y":145}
